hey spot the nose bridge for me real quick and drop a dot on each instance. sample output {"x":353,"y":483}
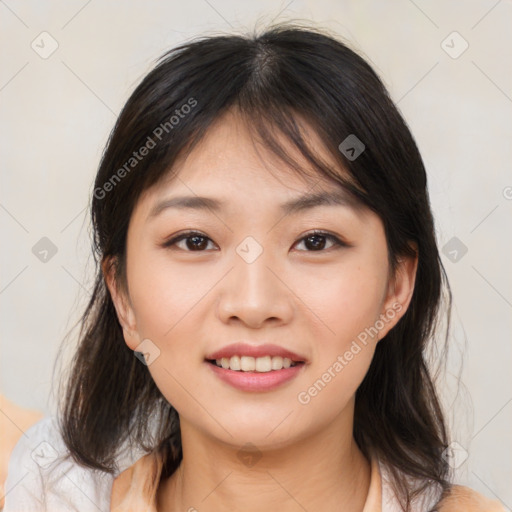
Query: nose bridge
{"x":254,"y":276}
{"x":253,"y":293}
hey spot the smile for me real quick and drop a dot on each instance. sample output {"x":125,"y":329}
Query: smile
{"x":254,"y":364}
{"x":255,"y":374}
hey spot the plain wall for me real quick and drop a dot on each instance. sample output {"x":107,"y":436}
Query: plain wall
{"x":57,"y":112}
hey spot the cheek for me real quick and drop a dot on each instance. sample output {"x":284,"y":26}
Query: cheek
{"x":346,"y":301}
{"x":168,"y":306}
{"x":162,"y":295}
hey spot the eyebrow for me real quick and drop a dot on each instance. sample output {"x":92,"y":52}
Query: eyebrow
{"x":296,"y":205}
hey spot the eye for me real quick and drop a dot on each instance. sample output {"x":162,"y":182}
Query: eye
{"x":317,"y":241}
{"x":194,"y":241}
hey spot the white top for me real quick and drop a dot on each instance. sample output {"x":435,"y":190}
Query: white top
{"x":42,"y":479}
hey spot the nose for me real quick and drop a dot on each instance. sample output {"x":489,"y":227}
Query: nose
{"x":255,"y":293}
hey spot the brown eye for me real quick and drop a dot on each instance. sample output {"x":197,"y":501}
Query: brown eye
{"x":196,"y":243}
{"x":193,"y":242}
{"x":317,"y":241}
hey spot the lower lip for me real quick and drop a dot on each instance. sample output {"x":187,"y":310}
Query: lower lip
{"x":256,"y":381}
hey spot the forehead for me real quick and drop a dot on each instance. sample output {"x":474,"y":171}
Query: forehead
{"x":231,"y":160}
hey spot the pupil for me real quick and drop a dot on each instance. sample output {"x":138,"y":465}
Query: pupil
{"x":318,"y":241}
{"x":194,"y":242}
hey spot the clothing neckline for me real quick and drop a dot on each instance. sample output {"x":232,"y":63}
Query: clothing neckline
{"x":136,"y":487}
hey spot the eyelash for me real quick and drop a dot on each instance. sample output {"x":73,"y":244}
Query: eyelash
{"x":337,"y":243}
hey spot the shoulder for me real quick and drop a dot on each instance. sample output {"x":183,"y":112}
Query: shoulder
{"x":137,"y":486}
{"x":456,"y":499}
{"x":14,"y":420}
{"x":464,"y":499}
{"x":42,"y":475}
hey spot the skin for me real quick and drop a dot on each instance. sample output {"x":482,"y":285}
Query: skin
{"x":190,"y":303}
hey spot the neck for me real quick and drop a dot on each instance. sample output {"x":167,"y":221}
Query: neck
{"x":325,"y":471}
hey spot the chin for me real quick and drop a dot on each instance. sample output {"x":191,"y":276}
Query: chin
{"x":263,"y":432}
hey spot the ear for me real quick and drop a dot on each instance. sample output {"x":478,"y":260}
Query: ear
{"x":399,"y":293}
{"x":121,"y":300}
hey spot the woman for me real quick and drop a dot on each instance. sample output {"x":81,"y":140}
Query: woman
{"x":266,"y":249}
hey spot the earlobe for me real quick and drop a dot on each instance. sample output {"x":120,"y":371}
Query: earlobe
{"x":121,"y":301}
{"x":400,"y":291}
{"x":402,"y":284}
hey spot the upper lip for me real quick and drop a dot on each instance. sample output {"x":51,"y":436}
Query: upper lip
{"x":244,"y":349}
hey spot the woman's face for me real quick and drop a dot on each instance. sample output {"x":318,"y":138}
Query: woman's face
{"x":254,"y":273}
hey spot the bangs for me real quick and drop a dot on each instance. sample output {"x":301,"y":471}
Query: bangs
{"x":280,"y":136}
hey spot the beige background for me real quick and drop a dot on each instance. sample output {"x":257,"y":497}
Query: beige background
{"x":56,"y":113}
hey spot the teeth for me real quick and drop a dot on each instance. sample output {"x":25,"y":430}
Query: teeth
{"x":264,"y":364}
{"x":257,"y":364}
{"x":277,"y":363}
{"x":248,"y":364}
{"x":234,"y":363}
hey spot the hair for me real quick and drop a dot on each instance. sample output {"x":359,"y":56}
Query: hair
{"x":275,"y":80}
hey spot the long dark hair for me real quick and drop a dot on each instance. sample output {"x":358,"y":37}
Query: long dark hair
{"x":286,"y":74}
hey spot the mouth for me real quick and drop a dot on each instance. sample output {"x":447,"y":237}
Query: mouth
{"x":262,"y":364}
{"x":255,"y":368}
{"x":255,"y":374}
